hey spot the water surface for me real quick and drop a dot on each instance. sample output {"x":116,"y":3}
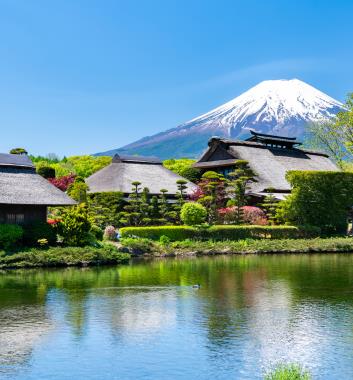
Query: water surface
{"x":145,"y":321}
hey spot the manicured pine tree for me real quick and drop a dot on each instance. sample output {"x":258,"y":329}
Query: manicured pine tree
{"x":213,"y":196}
{"x":270,"y":205}
{"x":237,"y":186}
{"x":132,"y":213}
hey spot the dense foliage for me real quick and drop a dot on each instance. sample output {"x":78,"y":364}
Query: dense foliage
{"x":105,"y":208}
{"x":75,"y":226}
{"x":249,"y":214}
{"x":318,"y":198}
{"x":175,"y":233}
{"x":244,"y":246}
{"x":37,"y":231}
{"x":64,"y":256}
{"x":193,"y":213}
{"x":82,"y":166}
{"x":46,"y":171}
{"x":63,"y":182}
{"x":183,"y":167}
{"x":10,"y":235}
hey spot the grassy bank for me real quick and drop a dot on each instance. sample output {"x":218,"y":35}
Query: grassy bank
{"x":247,"y":246}
{"x":63,"y":256}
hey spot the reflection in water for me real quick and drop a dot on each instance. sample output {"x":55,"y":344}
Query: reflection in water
{"x":146,"y":321}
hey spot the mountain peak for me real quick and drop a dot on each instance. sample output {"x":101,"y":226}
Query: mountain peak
{"x":280,"y":107}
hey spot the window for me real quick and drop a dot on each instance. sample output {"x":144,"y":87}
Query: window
{"x":15,"y":218}
{"x":226,"y":171}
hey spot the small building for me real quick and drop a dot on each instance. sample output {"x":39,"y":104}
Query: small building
{"x":124,"y":170}
{"x":24,"y":194}
{"x":270,"y":157}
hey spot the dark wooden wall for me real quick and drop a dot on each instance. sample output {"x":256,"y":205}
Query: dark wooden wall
{"x":22,"y":214}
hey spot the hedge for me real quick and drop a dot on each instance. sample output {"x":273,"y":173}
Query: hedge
{"x":224,"y":232}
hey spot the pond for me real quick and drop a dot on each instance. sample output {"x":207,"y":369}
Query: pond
{"x":146,"y":321}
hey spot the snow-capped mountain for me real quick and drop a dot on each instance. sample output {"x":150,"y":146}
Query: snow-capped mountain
{"x":280,"y":107}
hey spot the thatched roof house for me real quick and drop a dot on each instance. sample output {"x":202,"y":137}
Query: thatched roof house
{"x":269,"y":156}
{"x":24,"y":194}
{"x":119,"y":175}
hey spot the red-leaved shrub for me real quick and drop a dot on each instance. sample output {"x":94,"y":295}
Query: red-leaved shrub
{"x":63,"y":182}
{"x":251,"y":215}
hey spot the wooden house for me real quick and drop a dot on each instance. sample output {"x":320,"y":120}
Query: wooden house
{"x":24,"y":194}
{"x":270,"y":157}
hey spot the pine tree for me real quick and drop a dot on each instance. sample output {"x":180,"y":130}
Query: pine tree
{"x":270,"y":205}
{"x":237,"y":186}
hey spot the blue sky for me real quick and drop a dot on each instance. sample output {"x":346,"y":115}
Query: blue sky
{"x":82,"y":76}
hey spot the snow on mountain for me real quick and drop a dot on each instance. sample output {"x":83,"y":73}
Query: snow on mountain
{"x":280,"y":107}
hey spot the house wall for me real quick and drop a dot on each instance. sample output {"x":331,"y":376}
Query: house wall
{"x":22,"y":214}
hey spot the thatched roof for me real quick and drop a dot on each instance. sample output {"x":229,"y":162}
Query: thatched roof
{"x":20,"y":184}
{"x":120,"y":174}
{"x":270,"y":164}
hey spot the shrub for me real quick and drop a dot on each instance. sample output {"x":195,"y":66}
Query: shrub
{"x":250,"y":215}
{"x":138,"y":246}
{"x":164,"y":240}
{"x":64,"y":256}
{"x":97,"y":232}
{"x":193,"y":213}
{"x":63,"y":182}
{"x":178,"y":233}
{"x":10,"y":234}
{"x":46,"y":172}
{"x":288,"y":372}
{"x":75,"y":226}
{"x":110,"y":233}
{"x":318,"y":198}
{"x":38,"y":230}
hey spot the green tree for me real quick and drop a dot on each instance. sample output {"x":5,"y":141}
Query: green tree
{"x":75,"y":225}
{"x":78,"y":190}
{"x":325,"y":136}
{"x":318,"y":198}
{"x":270,"y":205}
{"x":237,"y":186}
{"x":213,"y":193}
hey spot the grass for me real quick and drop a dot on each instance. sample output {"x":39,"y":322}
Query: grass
{"x":63,"y":256}
{"x":288,"y":372}
{"x":317,"y":245}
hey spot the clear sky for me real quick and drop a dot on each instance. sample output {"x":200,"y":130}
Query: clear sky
{"x":82,"y":76}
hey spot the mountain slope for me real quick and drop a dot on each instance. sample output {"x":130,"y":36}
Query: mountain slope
{"x":280,"y":107}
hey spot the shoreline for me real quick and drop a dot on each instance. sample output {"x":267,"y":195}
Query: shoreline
{"x":127,"y":249}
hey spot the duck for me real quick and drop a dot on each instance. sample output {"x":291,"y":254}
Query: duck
{"x":196,"y":286}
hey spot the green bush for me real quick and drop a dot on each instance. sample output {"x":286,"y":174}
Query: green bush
{"x":193,"y":213}
{"x":178,"y":233}
{"x":38,"y":230}
{"x":46,"y":171}
{"x":10,"y":234}
{"x":318,"y":198}
{"x":75,"y":226}
{"x":97,"y":232}
{"x":288,"y":372}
